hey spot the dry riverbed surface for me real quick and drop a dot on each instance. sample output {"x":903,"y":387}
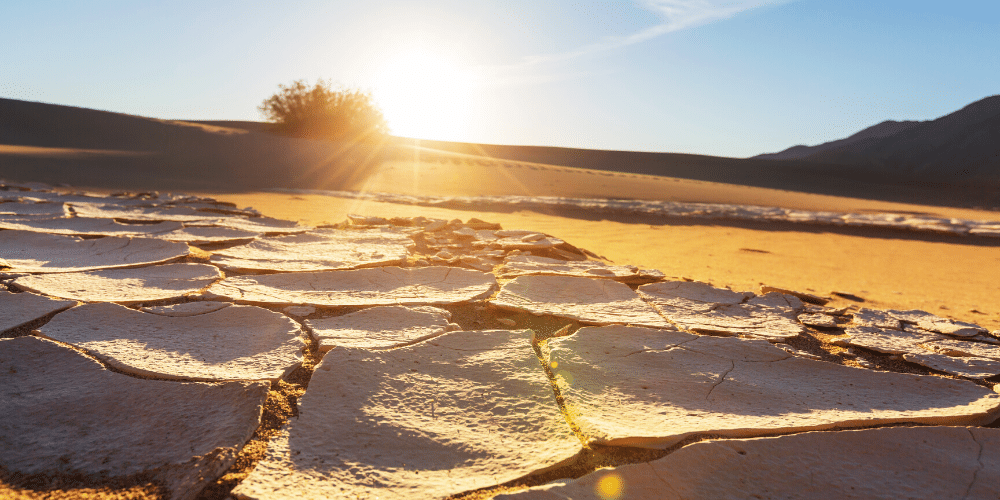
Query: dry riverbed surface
{"x":169,"y":346}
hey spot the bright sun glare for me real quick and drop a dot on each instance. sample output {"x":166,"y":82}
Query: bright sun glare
{"x":424,"y":95}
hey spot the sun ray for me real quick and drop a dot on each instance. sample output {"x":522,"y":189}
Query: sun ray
{"x":426,"y":95}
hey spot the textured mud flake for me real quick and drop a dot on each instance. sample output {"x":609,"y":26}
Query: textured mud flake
{"x":462,"y":411}
{"x":360,"y":287}
{"x":649,"y":388}
{"x":66,"y":414}
{"x":233,"y":343}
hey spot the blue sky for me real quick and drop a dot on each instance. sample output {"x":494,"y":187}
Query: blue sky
{"x":728,"y":78}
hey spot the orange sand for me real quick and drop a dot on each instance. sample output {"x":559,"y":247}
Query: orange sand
{"x":474,"y":178}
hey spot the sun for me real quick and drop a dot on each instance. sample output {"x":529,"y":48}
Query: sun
{"x":425,"y":95}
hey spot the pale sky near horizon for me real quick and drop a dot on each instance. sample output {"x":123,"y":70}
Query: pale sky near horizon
{"x":727,"y":78}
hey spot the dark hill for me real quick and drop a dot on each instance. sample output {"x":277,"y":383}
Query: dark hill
{"x":884,"y":129}
{"x":961,"y":148}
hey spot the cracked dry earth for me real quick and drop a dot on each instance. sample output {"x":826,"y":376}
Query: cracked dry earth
{"x":163,"y":346}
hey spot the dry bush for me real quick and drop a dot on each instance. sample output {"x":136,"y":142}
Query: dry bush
{"x":324,"y":111}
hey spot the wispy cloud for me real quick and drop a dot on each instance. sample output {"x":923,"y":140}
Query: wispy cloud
{"x":675,"y":15}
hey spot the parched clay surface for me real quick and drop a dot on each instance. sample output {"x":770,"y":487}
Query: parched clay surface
{"x":803,"y":296}
{"x":20,"y":208}
{"x":757,"y":393}
{"x":953,"y":347}
{"x":778,"y":301}
{"x":743,"y":319}
{"x":818,"y":320}
{"x":587,"y":300}
{"x":465,"y":410}
{"x":693,"y":295}
{"x":233,"y":343}
{"x":380,"y":286}
{"x":30,"y":252}
{"x":259,"y":225}
{"x":17,"y":309}
{"x":187,"y":308}
{"x":320,"y":250}
{"x":963,"y":366}
{"x":887,"y":341}
{"x":66,"y":414}
{"x":197,"y":235}
{"x":650,"y":388}
{"x":933,"y":323}
{"x":870,"y":464}
{"x":123,"y":285}
{"x":703,"y":308}
{"x":380,"y":327}
{"x":938,"y":352}
{"x":871,"y":318}
{"x":134,"y":213}
{"x":529,"y":241}
{"x":523,"y":265}
{"x":89,"y":226}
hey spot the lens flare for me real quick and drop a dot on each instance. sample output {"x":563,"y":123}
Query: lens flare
{"x":610,"y":487}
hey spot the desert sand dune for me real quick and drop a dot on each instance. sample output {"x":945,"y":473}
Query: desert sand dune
{"x":858,"y":181}
{"x":84,"y":147}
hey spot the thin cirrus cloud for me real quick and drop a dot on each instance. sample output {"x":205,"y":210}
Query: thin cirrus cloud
{"x":675,"y":15}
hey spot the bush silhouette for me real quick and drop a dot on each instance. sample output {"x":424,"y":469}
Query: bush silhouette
{"x":324,"y":111}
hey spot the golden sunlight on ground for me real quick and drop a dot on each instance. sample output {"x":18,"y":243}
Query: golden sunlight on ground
{"x":949,"y":276}
{"x":431,"y":174}
{"x":423,"y":93}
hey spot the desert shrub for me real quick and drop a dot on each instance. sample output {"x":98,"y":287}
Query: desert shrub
{"x":324,"y":111}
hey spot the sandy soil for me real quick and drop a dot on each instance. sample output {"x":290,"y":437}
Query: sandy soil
{"x":471,"y":176}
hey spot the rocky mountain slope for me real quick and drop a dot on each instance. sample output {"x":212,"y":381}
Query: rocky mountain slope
{"x":959,"y":148}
